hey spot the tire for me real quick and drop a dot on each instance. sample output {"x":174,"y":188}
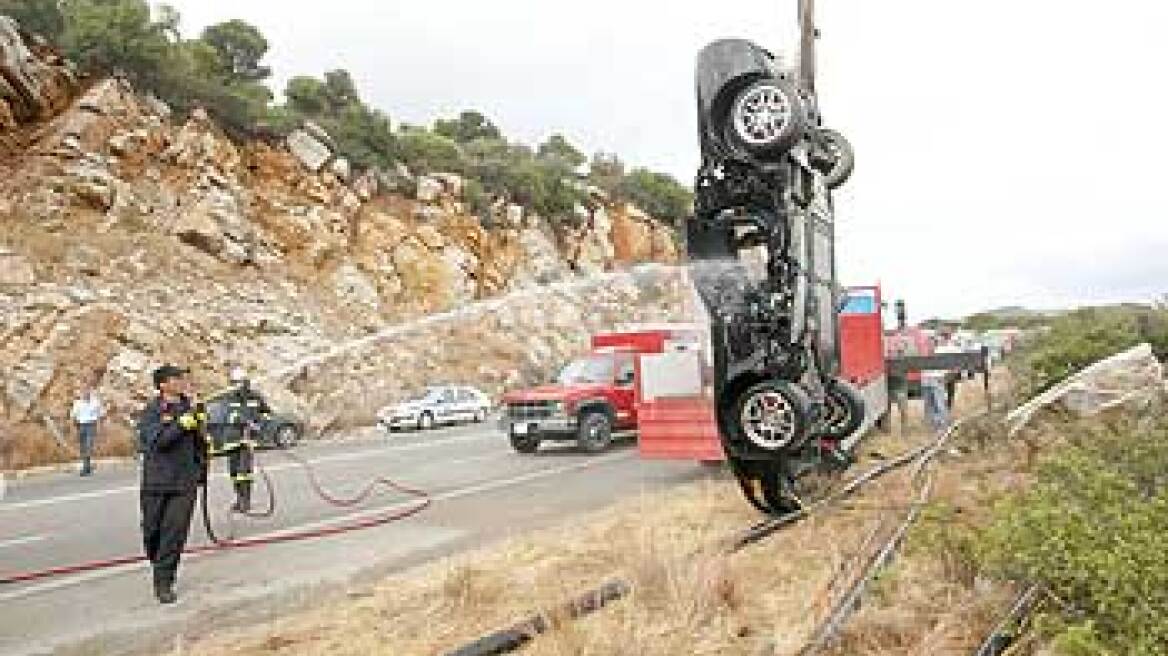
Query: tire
{"x":773,"y":416}
{"x":595,"y":432}
{"x":286,"y":437}
{"x":834,"y":158}
{"x":845,"y":409}
{"x":526,"y":444}
{"x":425,"y":421}
{"x":765,"y":119}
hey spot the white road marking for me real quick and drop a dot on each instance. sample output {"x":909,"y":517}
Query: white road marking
{"x":4,"y":544}
{"x":478,"y":488}
{"x":98,"y":494}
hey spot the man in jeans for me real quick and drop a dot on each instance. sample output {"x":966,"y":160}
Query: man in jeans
{"x":934,"y":390}
{"x":87,"y":412}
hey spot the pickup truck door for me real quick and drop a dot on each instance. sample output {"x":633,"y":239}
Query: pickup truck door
{"x":623,"y":391}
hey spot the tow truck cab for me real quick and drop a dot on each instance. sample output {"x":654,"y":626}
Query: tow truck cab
{"x":593,"y":397}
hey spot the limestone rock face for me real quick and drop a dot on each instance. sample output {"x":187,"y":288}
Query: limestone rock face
{"x":138,"y":236}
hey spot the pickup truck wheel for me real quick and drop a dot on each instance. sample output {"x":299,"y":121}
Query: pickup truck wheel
{"x":845,"y":409}
{"x":772,"y":416}
{"x":834,"y":158}
{"x":525,"y":443}
{"x":595,"y":432}
{"x":766,"y":118}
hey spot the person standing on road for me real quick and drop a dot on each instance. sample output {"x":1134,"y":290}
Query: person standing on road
{"x":87,"y":413}
{"x":171,"y":431}
{"x":246,"y":411}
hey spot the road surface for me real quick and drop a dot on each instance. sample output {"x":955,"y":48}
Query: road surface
{"x":482,"y":492}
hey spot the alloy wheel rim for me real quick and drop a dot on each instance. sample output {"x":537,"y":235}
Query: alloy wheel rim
{"x":768,"y":419}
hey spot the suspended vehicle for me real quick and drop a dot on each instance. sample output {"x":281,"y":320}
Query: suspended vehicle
{"x":762,"y":249}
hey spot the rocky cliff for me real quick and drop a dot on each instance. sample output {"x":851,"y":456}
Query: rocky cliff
{"x":128,"y":238}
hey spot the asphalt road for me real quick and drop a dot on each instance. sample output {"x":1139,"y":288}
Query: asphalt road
{"x":482,"y":491}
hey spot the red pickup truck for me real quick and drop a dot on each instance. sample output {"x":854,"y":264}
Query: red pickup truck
{"x":593,"y":397}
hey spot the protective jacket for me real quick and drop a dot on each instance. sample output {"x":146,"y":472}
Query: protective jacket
{"x":173,"y":458}
{"x":241,"y":408}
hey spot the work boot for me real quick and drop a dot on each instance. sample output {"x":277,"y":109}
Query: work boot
{"x":164,"y":592}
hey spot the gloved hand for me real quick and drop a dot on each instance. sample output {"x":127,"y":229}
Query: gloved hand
{"x":188,"y":421}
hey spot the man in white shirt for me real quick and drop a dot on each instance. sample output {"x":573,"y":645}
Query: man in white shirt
{"x":87,"y":413}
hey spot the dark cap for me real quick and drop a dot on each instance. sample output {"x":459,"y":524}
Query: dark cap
{"x":166,"y":372}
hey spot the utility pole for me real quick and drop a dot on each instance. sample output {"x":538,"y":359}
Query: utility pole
{"x":807,"y":35}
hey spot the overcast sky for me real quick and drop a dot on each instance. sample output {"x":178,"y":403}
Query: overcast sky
{"x":1009,"y":151}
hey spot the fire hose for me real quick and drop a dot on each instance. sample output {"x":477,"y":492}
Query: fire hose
{"x":219,"y":544}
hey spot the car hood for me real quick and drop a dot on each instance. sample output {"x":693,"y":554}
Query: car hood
{"x":554,"y":393}
{"x":404,"y":406}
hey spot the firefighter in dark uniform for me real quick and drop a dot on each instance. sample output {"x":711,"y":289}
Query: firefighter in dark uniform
{"x":171,"y":435}
{"x":245,"y":412}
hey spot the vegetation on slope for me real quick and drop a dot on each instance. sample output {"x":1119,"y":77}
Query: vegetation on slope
{"x":223,"y":71}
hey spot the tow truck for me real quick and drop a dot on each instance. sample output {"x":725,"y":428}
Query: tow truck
{"x":593,"y":399}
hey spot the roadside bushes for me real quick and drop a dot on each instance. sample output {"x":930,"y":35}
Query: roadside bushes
{"x":1093,"y":529}
{"x":1079,"y":338}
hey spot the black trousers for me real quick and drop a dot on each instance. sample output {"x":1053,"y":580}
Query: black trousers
{"x":240,"y":464}
{"x":166,"y":520}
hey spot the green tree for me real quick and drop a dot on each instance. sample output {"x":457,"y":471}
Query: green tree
{"x":657,"y":193}
{"x":607,"y":172}
{"x":42,"y":17}
{"x":307,"y":95}
{"x":105,"y":36}
{"x":240,"y":48}
{"x":468,"y":126}
{"x":424,"y":150}
{"x":558,"y":150}
{"x":340,"y":91}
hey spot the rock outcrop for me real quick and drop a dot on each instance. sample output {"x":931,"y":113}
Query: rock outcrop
{"x":128,"y":238}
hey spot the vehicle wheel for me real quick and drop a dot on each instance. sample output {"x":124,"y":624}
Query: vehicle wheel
{"x":766,"y":119}
{"x":525,"y":443}
{"x":834,"y":158}
{"x":772,"y":415}
{"x":595,"y":432}
{"x":845,"y":409}
{"x":425,"y":421}
{"x":287,"y":436}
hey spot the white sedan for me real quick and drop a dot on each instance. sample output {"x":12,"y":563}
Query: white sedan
{"x":442,"y":405}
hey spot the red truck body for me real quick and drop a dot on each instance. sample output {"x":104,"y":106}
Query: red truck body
{"x":602,"y":381}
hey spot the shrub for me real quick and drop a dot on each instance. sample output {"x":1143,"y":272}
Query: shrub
{"x":1094,"y":530}
{"x":1077,"y":339}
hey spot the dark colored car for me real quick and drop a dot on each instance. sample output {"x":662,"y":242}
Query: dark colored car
{"x":279,"y":431}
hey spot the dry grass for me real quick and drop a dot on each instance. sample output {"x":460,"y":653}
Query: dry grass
{"x":686,"y":599}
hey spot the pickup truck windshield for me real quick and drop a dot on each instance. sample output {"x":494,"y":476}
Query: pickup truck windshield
{"x":598,"y":369}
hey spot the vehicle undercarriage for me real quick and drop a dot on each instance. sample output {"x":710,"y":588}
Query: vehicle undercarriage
{"x":762,"y":250}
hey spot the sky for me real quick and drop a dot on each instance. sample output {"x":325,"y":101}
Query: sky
{"x":1009,"y":152}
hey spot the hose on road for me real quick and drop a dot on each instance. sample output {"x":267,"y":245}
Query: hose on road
{"x":218,"y":544}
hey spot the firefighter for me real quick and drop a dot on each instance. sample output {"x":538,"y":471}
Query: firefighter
{"x":245,"y":410}
{"x":171,"y":435}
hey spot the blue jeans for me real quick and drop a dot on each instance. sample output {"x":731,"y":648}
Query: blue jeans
{"x":86,"y":434}
{"x":936,"y":403}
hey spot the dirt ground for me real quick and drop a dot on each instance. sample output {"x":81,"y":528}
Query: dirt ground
{"x":766,"y":599}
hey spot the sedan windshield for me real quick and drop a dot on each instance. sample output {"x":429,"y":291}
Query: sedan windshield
{"x":589,"y":370}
